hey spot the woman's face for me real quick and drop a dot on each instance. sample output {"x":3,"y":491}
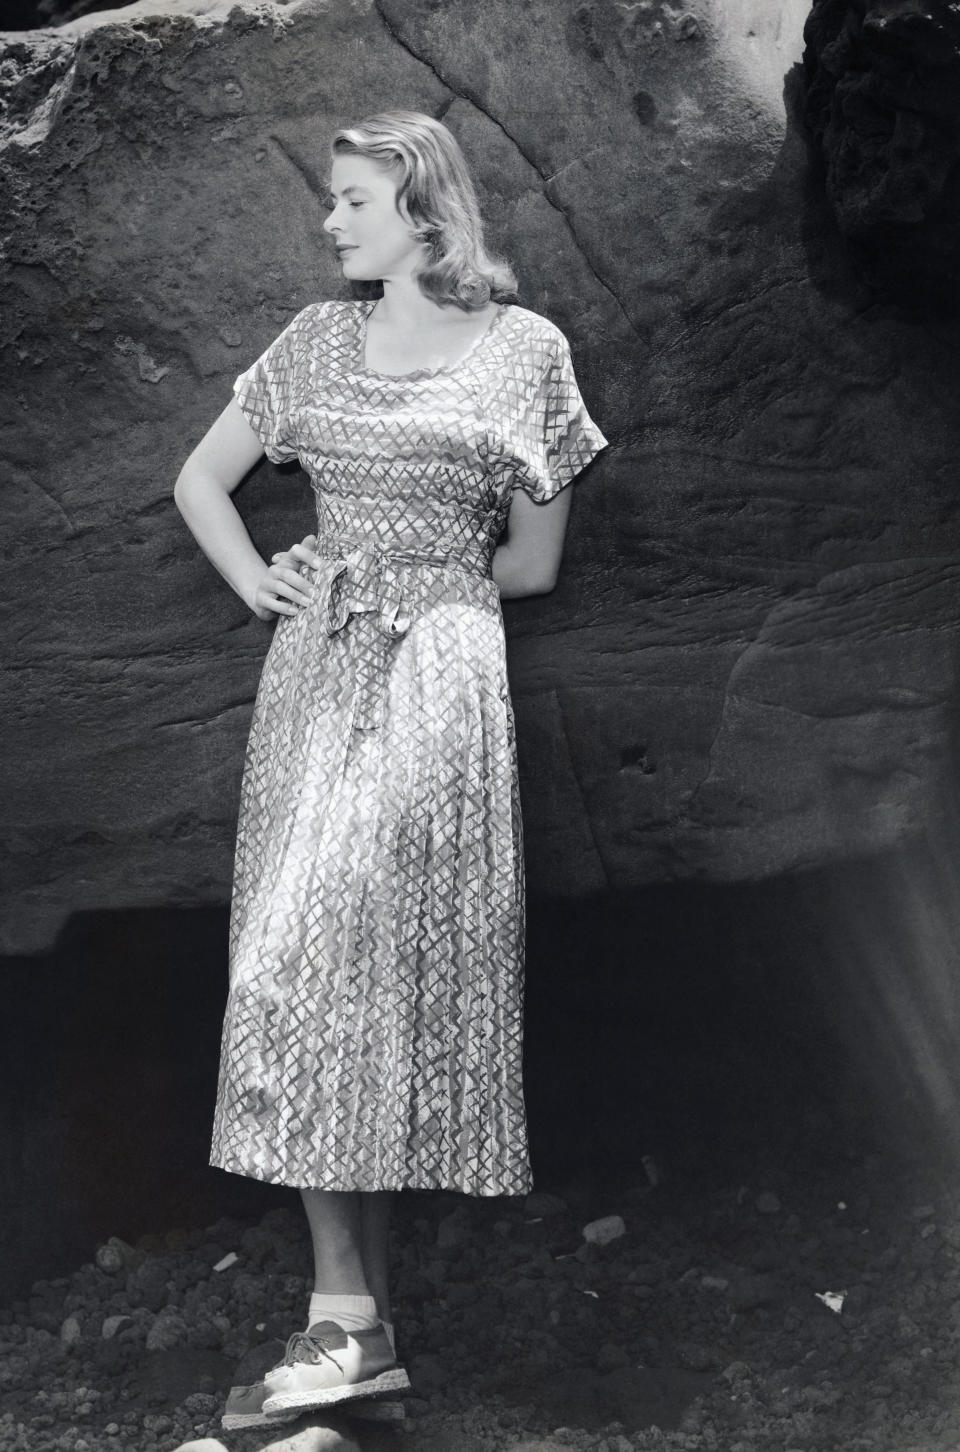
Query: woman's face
{"x":373,"y":240}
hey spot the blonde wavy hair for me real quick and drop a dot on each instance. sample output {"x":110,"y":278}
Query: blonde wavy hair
{"x":435,"y":191}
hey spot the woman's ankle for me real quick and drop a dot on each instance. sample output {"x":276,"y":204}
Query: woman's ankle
{"x":351,"y":1312}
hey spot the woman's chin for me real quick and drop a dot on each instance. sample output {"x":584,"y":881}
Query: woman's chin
{"x":355,"y":271}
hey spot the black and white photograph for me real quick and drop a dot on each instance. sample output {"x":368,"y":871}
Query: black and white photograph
{"x":480,"y":800}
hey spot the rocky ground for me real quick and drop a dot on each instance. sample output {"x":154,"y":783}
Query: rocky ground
{"x":809,"y":1308}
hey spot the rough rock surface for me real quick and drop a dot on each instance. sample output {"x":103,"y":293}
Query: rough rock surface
{"x":708,"y":1327}
{"x":748,"y":663}
{"x":882,"y":99}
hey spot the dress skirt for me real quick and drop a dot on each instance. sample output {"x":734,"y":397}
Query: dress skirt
{"x":374,"y":1026}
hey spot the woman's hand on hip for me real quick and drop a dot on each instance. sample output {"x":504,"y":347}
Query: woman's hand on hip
{"x":285,"y":589}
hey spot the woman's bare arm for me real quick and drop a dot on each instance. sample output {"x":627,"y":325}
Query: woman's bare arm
{"x":222,"y":459}
{"x":527,"y":560}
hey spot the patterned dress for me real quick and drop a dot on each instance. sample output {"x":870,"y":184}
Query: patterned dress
{"x":372,"y":1037}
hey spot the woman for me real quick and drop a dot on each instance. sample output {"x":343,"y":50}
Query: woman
{"x":372,"y":1039}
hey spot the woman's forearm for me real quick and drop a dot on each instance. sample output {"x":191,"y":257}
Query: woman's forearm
{"x":213,"y":520}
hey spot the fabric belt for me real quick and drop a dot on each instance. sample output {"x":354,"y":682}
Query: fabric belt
{"x":366,"y":579}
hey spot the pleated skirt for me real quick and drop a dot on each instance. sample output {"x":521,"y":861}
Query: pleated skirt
{"x":373,"y":1031}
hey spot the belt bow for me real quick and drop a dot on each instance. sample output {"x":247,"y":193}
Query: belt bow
{"x":366,"y":579}
{"x":365,"y":582}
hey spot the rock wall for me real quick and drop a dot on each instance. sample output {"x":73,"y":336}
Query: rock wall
{"x":882,"y":99}
{"x":749,"y":663}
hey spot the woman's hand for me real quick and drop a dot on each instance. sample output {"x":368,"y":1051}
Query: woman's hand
{"x":284,"y":590}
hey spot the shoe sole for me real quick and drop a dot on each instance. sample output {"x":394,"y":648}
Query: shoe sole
{"x":376,"y":1386}
{"x":372,"y":1410}
{"x":236,"y":1421}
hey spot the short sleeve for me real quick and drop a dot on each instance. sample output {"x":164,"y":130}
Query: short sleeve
{"x":267,"y":391}
{"x":554,"y":438}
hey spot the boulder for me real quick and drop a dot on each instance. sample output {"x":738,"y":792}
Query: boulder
{"x":748,"y":664}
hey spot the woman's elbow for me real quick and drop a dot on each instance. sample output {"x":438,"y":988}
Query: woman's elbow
{"x":519,"y":575}
{"x":539,"y":579}
{"x":185,"y":482}
{"x":185,"y":496}
{"x":181,"y":489}
{"x":545,"y":582}
{"x":191,"y":482}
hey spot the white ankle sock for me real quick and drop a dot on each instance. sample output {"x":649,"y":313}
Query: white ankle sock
{"x":353,"y":1313}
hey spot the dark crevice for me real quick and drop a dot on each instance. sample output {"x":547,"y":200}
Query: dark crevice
{"x":313,"y":182}
{"x":575,"y":775}
{"x":192,"y":722}
{"x":471,"y":97}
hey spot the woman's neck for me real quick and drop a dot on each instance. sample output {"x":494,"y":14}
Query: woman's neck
{"x":404,"y":305}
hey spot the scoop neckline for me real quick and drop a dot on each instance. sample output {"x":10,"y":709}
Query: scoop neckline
{"x":361,"y":368}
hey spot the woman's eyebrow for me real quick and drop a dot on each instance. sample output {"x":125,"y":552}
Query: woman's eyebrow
{"x":348,"y":191}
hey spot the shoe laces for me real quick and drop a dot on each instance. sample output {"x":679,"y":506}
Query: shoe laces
{"x":304,"y":1347}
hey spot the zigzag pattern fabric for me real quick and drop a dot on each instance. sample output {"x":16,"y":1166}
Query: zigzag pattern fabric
{"x":373,"y":1032}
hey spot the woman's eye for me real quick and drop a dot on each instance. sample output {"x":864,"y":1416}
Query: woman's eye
{"x":356,"y":204}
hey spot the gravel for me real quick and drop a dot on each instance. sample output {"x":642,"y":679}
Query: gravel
{"x":709,"y":1323}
